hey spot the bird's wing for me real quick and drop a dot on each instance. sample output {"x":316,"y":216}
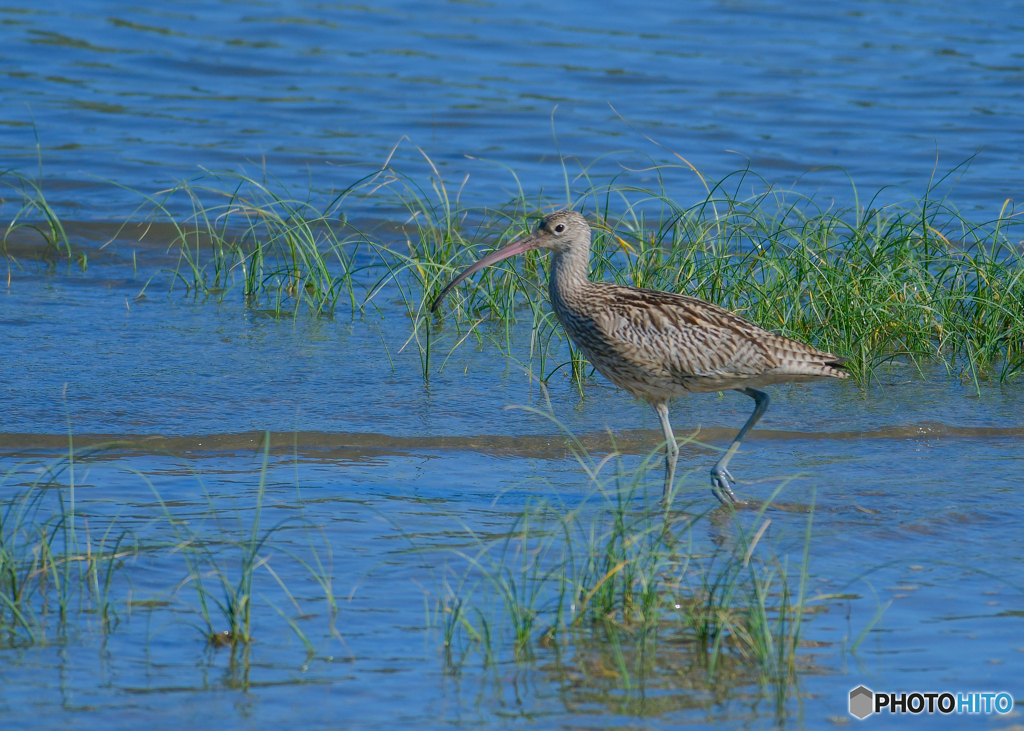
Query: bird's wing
{"x":685,"y":337}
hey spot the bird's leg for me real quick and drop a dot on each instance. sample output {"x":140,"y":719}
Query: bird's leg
{"x":671,"y":448}
{"x":720,"y":476}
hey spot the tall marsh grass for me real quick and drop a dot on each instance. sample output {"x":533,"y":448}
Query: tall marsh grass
{"x":878,"y":284}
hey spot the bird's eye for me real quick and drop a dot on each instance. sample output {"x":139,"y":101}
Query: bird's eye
{"x":559,"y":228}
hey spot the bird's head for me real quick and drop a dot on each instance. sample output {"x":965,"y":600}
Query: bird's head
{"x":559,"y":231}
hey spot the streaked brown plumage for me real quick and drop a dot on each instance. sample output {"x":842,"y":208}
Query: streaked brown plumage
{"x":660,"y":345}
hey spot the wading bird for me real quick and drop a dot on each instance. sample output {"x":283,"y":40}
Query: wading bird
{"x":660,"y":345}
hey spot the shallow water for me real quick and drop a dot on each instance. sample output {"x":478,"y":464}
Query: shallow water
{"x":947,"y":626}
{"x":915,"y":480}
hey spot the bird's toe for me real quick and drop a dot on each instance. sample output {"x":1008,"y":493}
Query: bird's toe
{"x":720,"y":487}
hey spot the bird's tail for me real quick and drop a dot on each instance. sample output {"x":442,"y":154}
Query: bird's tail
{"x":795,"y":358}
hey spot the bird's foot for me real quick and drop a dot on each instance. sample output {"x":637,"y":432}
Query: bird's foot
{"x":720,"y":487}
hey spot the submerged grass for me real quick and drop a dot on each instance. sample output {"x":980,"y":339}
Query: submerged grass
{"x":614,"y":586}
{"x":910,"y":282}
{"x":620,"y":576}
{"x":61,"y":568}
{"x":54,"y":566}
{"x":34,"y":219}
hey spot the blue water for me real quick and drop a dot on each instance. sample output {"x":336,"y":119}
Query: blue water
{"x":888,"y":91}
{"x":915,"y":480}
{"x":918,"y":537}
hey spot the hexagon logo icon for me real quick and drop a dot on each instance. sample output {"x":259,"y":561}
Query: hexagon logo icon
{"x":862,"y":702}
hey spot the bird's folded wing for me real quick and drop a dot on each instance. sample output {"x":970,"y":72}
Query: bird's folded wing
{"x":683,"y":337}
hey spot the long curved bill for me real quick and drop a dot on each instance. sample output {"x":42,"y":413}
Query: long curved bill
{"x":519,"y":246}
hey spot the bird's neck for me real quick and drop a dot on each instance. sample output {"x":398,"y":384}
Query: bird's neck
{"x":569,"y":275}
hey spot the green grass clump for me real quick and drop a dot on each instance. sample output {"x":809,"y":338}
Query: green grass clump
{"x":873,"y":285}
{"x":623,"y":578}
{"x":283,"y":253}
{"x":911,"y":282}
{"x":915,"y":282}
{"x":61,"y":567}
{"x":34,"y":219}
{"x":54,"y":566}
